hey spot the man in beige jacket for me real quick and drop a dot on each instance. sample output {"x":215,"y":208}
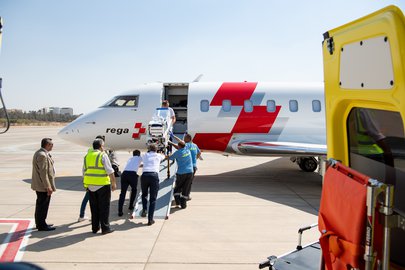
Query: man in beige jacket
{"x":43,"y":183}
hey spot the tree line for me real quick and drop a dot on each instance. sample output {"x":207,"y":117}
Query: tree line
{"x":17,"y":117}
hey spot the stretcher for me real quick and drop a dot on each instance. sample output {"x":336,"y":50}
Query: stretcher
{"x":355,"y":218}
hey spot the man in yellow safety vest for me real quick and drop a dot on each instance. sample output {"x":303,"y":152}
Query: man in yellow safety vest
{"x":99,"y":180}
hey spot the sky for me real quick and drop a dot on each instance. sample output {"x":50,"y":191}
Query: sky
{"x":75,"y":53}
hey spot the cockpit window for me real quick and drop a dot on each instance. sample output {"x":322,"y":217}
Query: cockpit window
{"x":123,"y":101}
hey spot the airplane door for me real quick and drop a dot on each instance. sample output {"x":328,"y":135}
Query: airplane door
{"x":177,"y":95}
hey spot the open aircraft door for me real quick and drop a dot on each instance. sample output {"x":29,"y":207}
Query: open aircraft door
{"x":364,"y":74}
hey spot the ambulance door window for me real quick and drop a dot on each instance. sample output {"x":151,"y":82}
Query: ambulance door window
{"x":377,"y":149}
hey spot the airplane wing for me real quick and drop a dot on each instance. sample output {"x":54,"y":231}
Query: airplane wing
{"x":280,"y":148}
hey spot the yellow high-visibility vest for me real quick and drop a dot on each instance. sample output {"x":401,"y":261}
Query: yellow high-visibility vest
{"x":366,"y":145}
{"x":94,"y":172}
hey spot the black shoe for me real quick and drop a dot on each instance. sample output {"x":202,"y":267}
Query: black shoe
{"x":49,"y":225}
{"x":46,"y":229}
{"x":96,"y":231}
{"x":151,"y":222}
{"x":183,"y":203}
{"x":177,"y":200}
{"x":120,"y":214}
{"x":131,"y":208}
{"x":107,"y":231}
{"x":143,"y":213}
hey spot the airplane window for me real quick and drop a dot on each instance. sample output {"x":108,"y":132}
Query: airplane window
{"x":204,"y":105}
{"x":248,"y":105}
{"x":123,"y":101}
{"x":226,"y":105}
{"x":293,"y":105}
{"x":316,"y":105}
{"x":271,"y":106}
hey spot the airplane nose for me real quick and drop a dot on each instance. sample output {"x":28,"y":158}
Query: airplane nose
{"x":65,"y":132}
{"x":70,"y":133}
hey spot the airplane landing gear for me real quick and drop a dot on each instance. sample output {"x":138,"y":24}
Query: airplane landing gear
{"x":307,"y":164}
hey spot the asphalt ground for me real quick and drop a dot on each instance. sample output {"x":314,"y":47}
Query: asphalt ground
{"x":243,"y":209}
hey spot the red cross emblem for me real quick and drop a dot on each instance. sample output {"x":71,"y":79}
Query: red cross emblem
{"x":141,"y":130}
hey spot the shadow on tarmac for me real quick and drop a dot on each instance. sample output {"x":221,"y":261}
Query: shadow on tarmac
{"x":64,"y":234}
{"x":72,"y":183}
{"x":278,"y":181}
{"x":58,"y":238}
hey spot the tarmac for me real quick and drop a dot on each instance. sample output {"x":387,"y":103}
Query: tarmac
{"x":243,"y":209}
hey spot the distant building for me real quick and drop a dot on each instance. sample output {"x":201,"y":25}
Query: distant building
{"x":54,"y":110}
{"x":14,"y":110}
{"x":44,"y":110}
{"x":66,"y":110}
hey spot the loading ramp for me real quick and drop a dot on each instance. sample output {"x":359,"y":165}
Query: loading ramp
{"x":165,"y":194}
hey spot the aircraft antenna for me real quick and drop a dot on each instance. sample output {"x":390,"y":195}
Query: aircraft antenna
{"x":198,"y":78}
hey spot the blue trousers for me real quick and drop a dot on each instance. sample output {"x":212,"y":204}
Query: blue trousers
{"x":84,"y":204}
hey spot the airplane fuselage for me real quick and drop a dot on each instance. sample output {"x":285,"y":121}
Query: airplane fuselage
{"x":237,"y":118}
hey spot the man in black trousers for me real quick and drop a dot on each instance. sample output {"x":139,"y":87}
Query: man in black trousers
{"x":99,"y":180}
{"x":43,"y":183}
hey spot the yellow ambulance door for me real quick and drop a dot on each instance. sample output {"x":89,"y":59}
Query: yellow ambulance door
{"x":365,"y":102}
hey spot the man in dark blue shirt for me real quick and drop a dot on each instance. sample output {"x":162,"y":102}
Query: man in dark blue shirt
{"x":184,"y":174}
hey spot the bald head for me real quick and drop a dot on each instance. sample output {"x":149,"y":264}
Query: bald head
{"x":181,"y":144}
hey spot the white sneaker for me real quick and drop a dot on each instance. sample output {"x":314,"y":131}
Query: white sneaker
{"x":82,"y":219}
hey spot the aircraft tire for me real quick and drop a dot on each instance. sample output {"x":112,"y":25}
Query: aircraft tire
{"x":308,"y":164}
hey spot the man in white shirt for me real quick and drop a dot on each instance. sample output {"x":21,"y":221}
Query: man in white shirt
{"x":165,"y":104}
{"x":150,"y":181}
{"x":129,"y":177}
{"x":172,"y":115}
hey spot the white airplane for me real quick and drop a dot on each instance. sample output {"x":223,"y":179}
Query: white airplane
{"x":244,"y":118}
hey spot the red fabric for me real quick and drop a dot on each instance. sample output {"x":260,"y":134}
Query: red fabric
{"x":342,"y":215}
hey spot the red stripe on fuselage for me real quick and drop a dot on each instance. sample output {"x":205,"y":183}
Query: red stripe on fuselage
{"x":212,"y":141}
{"x":257,"y":121}
{"x":236,"y":92}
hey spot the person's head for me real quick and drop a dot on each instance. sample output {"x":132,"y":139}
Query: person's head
{"x":101,"y":137}
{"x":98,"y":144}
{"x":47,"y":144}
{"x":181,"y":144}
{"x":188,"y":138}
{"x":165,"y":103}
{"x":152,"y":147}
{"x":136,"y":153}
